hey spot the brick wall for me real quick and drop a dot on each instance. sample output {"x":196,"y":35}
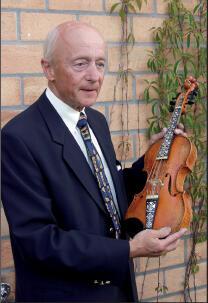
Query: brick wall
{"x":25,"y":24}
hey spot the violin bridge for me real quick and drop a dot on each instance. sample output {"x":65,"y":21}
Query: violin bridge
{"x":151,"y":206}
{"x":155,"y":182}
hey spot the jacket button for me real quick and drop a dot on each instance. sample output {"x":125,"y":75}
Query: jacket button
{"x":111,"y":230}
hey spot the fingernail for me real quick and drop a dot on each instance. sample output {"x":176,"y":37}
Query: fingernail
{"x":184,"y":229}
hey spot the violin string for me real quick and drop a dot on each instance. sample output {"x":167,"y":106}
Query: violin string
{"x":154,"y":174}
{"x":151,"y":176}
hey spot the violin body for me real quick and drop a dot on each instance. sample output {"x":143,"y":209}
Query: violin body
{"x":174,"y":204}
{"x":163,"y":201}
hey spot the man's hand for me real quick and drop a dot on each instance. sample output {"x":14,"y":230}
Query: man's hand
{"x":154,"y":243}
{"x":178,"y":131}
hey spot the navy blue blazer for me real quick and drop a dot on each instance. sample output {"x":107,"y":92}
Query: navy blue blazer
{"x":61,"y":233}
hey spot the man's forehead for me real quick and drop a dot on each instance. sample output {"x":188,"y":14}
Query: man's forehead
{"x":79,"y":39}
{"x":79,"y":31}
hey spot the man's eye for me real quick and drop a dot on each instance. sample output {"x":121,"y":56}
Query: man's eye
{"x":101,"y":64}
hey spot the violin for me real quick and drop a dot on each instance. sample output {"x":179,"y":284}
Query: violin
{"x":163,"y":201}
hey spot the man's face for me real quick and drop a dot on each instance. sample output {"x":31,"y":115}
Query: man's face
{"x":78,"y":69}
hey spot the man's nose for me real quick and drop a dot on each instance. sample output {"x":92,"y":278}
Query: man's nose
{"x":92,"y":73}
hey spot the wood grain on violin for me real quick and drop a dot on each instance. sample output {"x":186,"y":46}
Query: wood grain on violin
{"x":163,"y":201}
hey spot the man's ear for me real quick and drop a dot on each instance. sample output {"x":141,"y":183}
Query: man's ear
{"x":48,"y":69}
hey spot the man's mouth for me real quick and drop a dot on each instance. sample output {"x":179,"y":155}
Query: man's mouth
{"x":87,"y":90}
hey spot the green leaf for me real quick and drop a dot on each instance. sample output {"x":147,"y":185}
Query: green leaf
{"x":122,"y":14}
{"x":193,"y":67}
{"x":196,"y":42}
{"x":188,"y":40}
{"x":185,"y":70}
{"x":139,"y":4}
{"x":196,"y":8}
{"x":131,"y":7}
{"x":175,"y":69}
{"x":156,"y":90}
{"x":113,"y":7}
{"x":146,"y":94}
{"x":121,"y":144}
{"x":131,"y":39}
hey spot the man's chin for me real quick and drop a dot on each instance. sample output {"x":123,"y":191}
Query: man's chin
{"x":87,"y":102}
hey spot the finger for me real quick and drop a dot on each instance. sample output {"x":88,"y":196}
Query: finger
{"x":162,"y":233}
{"x":181,"y":126}
{"x":173,"y":237}
{"x":173,"y":245}
{"x":180,"y":132}
{"x":164,"y":130}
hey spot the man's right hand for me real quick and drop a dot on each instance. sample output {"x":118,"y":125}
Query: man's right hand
{"x":154,"y":243}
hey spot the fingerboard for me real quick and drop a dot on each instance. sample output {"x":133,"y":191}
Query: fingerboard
{"x":169,"y":135}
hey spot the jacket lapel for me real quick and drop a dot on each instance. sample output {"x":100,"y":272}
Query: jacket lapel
{"x":72,"y":153}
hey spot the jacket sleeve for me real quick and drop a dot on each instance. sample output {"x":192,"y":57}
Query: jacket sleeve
{"x":134,"y":178}
{"x":34,"y":229}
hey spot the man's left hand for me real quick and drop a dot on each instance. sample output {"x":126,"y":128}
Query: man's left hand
{"x":178,"y":131}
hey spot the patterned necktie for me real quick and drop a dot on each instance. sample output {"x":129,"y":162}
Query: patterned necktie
{"x":99,"y":174}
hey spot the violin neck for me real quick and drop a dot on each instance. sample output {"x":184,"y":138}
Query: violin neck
{"x":169,"y":135}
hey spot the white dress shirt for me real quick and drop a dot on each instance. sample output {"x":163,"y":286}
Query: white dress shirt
{"x":70,"y":117}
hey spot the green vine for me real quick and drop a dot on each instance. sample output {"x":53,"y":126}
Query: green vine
{"x":180,"y":51}
{"x":125,"y":7}
{"x":181,"y":40}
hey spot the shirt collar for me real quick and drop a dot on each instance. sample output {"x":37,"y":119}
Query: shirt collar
{"x":69,"y":115}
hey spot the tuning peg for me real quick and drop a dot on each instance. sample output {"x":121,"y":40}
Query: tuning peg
{"x":190,"y":102}
{"x":174,"y":98}
{"x":171,"y":109}
{"x":191,"y":97}
{"x":195,"y":91}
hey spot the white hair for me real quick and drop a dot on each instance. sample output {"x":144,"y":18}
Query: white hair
{"x":49,"y":44}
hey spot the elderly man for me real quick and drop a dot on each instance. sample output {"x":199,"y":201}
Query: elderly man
{"x":63,"y":192}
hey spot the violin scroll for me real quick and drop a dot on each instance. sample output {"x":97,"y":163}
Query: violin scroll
{"x":190,"y":87}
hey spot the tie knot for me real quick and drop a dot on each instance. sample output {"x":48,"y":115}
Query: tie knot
{"x":82,"y":121}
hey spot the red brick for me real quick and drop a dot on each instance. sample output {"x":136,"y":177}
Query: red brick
{"x":101,"y":109}
{"x":10,"y":91}
{"x":142,"y":144}
{"x":33,"y":88}
{"x":41,"y":25}
{"x":137,"y":115}
{"x":84,"y":5}
{"x":107,"y":91}
{"x":144,"y":24}
{"x":4,"y":224}
{"x":105,"y":24}
{"x":138,"y":58}
{"x":6,"y":254}
{"x":37,"y":4}
{"x":127,"y":164}
{"x":147,"y":8}
{"x":150,"y":283}
{"x":171,"y":258}
{"x":200,"y":249}
{"x":10,"y":279}
{"x":21,"y":58}
{"x":177,"y":298}
{"x":8,"y":26}
{"x":125,"y":151}
{"x":8,"y":115}
{"x":200,"y":276}
{"x":162,"y":6}
{"x":141,"y":85}
{"x":175,"y":279}
{"x":201,"y":295}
